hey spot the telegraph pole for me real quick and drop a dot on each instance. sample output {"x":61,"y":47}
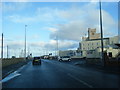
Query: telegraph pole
{"x":2,"y":48}
{"x":103,"y":60}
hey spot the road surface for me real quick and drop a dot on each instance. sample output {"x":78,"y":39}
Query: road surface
{"x":55,"y":74}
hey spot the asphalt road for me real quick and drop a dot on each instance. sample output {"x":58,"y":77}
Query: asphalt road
{"x":55,"y":74}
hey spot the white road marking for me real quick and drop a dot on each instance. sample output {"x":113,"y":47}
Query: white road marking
{"x":12,"y":75}
{"x":83,"y":82}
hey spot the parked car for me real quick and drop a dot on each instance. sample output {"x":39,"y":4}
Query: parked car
{"x":36,"y":60}
{"x":64,"y":58}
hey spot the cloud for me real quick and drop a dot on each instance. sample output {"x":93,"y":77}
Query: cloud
{"x":37,"y":44}
{"x":52,"y":29}
{"x":42,"y":15}
{"x":14,"y":6}
{"x":59,"y":1}
{"x":62,"y":45}
{"x":15,"y":0}
{"x":71,"y":25}
{"x":77,"y":20}
{"x":52,"y":45}
{"x":16,"y":45}
{"x":82,"y":18}
{"x":35,"y":36}
{"x":20,"y":19}
{"x":65,"y":45}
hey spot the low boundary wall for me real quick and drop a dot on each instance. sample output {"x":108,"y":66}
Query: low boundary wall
{"x":109,"y":62}
{"x":10,"y":61}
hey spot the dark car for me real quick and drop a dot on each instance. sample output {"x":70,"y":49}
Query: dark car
{"x":36,"y":60}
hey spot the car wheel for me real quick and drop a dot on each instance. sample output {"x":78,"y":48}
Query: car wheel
{"x":60,"y":60}
{"x":68,"y":59}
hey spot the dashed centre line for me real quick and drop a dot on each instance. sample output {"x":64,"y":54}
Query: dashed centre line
{"x":81,"y":81}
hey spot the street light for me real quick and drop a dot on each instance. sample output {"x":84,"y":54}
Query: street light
{"x":57,"y":46}
{"x":7,"y":51}
{"x":103,"y":60}
{"x":2,"y":48}
{"x":25,"y":44}
{"x":57,"y":52}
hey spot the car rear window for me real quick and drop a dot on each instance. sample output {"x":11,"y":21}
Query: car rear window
{"x":36,"y":57}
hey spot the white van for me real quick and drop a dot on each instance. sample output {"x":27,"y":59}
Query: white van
{"x":64,"y":58}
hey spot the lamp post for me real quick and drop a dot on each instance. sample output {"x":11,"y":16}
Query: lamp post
{"x":7,"y":51}
{"x":103,"y":60}
{"x":25,"y":44}
{"x":57,"y":46}
{"x":2,"y":48}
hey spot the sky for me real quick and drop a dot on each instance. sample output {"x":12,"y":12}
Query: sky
{"x":47,"y":21}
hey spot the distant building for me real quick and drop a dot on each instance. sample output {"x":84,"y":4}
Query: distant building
{"x":67,"y":53}
{"x":93,"y":41}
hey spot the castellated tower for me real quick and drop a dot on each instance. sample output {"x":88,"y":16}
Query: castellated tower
{"x":92,"y":34}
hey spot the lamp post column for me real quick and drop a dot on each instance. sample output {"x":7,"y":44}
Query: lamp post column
{"x":102,"y":47}
{"x":2,"y":48}
{"x":25,"y":44}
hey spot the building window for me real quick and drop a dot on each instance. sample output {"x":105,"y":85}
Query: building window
{"x":99,"y":53}
{"x":112,"y":42}
{"x":97,"y":43}
{"x":106,"y":43}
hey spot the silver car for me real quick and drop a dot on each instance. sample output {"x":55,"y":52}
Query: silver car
{"x":64,"y":58}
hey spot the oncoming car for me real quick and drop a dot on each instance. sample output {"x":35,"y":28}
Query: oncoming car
{"x":64,"y":58}
{"x":36,"y":60}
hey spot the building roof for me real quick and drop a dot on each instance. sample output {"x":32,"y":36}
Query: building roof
{"x":97,"y":39}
